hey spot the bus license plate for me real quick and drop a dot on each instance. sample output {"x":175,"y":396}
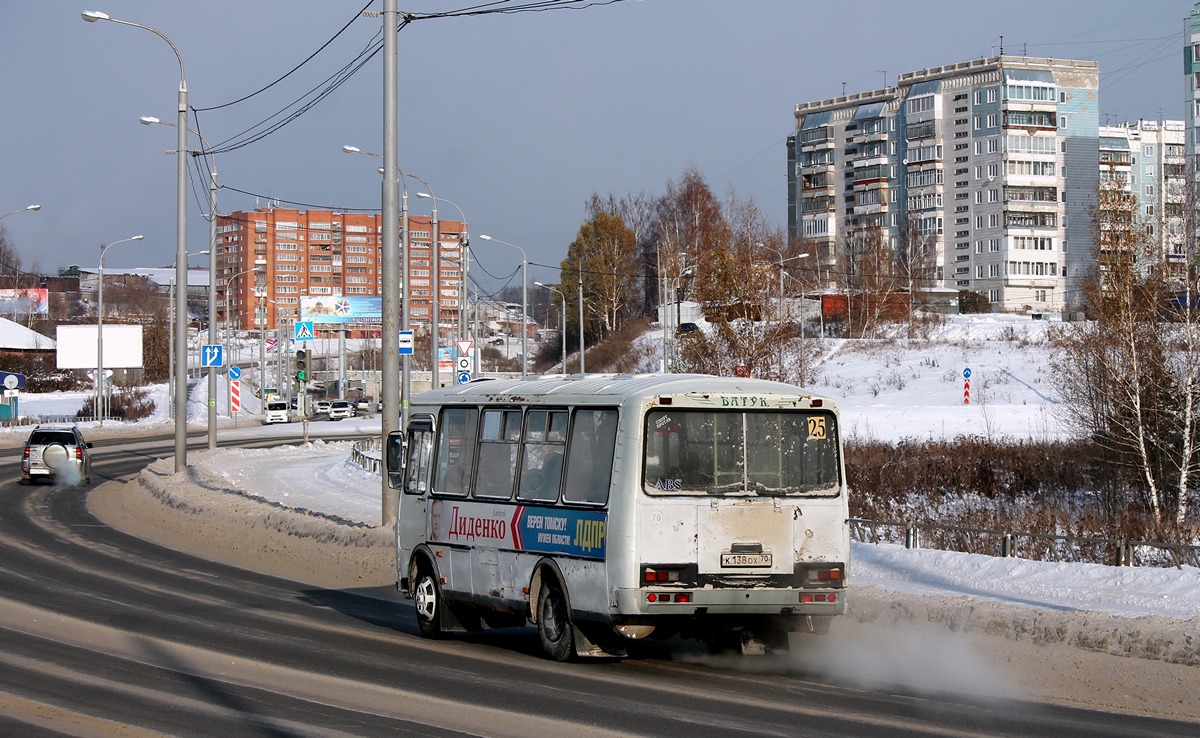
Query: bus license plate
{"x":734,"y":560}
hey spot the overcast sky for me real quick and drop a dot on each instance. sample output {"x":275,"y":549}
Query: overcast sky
{"x":515,"y":118}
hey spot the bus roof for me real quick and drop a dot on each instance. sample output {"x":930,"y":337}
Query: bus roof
{"x":604,"y":388}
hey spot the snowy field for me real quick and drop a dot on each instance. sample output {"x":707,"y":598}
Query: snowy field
{"x":886,"y":389}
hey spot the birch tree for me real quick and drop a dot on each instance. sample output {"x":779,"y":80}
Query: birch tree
{"x":1128,"y":375}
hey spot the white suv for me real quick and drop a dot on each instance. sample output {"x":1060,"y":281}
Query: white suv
{"x":55,"y":451}
{"x":339,"y":409}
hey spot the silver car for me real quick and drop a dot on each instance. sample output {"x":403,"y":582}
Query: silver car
{"x":55,"y":451}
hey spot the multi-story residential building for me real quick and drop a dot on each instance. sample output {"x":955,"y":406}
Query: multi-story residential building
{"x":1191,"y":68}
{"x":323,"y":252}
{"x":982,"y":172}
{"x":1146,"y":160}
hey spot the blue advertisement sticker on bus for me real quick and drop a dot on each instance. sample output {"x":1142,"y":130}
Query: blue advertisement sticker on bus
{"x":555,"y":530}
{"x":550,"y":530}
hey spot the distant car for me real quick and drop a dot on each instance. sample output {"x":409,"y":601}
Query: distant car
{"x":56,"y":451}
{"x":688,"y":327}
{"x":321,"y":406}
{"x":339,"y":409}
{"x":497,"y":341}
{"x":276,"y":412}
{"x":364,"y":404}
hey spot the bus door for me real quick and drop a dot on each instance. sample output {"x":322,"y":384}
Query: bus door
{"x":414,"y":497}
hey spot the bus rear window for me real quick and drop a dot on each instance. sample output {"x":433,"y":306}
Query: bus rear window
{"x":734,"y":453}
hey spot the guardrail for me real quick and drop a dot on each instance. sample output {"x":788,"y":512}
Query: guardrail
{"x":1035,"y":546}
{"x":360,"y":454}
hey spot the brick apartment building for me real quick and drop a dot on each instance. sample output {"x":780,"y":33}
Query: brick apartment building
{"x":328,"y":253}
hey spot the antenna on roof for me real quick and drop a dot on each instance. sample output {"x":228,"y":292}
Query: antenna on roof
{"x":1002,"y":44}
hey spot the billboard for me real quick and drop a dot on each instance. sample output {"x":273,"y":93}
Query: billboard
{"x":342,"y":309}
{"x":77,"y":346}
{"x":24,"y":302}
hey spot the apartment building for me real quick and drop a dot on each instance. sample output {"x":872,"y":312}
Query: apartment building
{"x":1146,"y":160}
{"x":328,"y":253}
{"x":982,"y":172}
{"x":1191,"y":69}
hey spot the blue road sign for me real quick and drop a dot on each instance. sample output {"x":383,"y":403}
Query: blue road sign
{"x":234,"y":372}
{"x":212,"y":355}
{"x":406,"y":343}
{"x":304,"y":330}
{"x":17,"y":382}
{"x":464,"y":377}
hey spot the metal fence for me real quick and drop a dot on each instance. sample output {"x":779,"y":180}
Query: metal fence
{"x":367,"y":453}
{"x":1035,"y":546}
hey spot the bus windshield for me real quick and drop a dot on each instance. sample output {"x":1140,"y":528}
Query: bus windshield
{"x":740,"y":453}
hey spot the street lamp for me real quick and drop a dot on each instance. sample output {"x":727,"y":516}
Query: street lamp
{"x":562,"y":321}
{"x":259,"y":263}
{"x":463,"y":263}
{"x":180,"y":344}
{"x":435,"y":318}
{"x":524,"y":301}
{"x":392,"y":363}
{"x":100,"y":394}
{"x":34,"y":208}
{"x":148,"y":120}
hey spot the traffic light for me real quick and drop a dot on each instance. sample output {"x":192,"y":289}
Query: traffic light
{"x":301,"y":365}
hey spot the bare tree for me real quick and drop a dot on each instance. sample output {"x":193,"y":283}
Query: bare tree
{"x":604,"y":256}
{"x":1129,"y":375}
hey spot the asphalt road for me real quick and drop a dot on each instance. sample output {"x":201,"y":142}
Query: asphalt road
{"x":104,"y":634}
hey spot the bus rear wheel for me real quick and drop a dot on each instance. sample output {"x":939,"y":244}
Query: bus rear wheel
{"x":427,"y":597}
{"x":554,"y":623}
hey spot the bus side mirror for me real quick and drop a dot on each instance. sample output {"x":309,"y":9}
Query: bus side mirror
{"x":394,"y":459}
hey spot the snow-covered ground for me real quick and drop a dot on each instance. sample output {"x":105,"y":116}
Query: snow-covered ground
{"x":886,"y":389}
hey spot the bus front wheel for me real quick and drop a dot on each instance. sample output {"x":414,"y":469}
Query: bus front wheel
{"x":554,"y":623}
{"x":427,"y":596}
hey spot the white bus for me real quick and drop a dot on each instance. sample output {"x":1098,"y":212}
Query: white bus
{"x":610,"y":507}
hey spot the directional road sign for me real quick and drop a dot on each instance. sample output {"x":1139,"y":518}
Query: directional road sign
{"x":464,"y":377}
{"x":212,"y":355}
{"x":235,"y":372}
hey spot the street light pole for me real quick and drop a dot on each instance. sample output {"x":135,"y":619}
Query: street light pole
{"x":582,"y":370}
{"x":259,"y":263}
{"x":462,"y":257}
{"x":100,"y":394}
{"x":562,"y":322}
{"x":524,"y":302}
{"x":147,"y":120}
{"x":180,"y":339}
{"x":33,"y":208}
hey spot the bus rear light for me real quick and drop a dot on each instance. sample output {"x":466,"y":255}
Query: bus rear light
{"x":652,"y":575}
{"x":816,"y":403}
{"x":664,"y":399}
{"x":809,"y":598}
{"x":683,"y":597}
{"x":822,"y":574}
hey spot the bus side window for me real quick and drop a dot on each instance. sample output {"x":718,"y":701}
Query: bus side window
{"x":541,"y":456}
{"x":416,"y":470}
{"x":590,"y":456}
{"x":498,"y":444}
{"x":456,"y":450}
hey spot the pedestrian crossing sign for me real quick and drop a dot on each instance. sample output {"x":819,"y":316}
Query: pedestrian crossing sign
{"x":304,"y":330}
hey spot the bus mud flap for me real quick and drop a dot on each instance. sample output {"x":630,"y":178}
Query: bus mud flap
{"x":593,"y":642}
